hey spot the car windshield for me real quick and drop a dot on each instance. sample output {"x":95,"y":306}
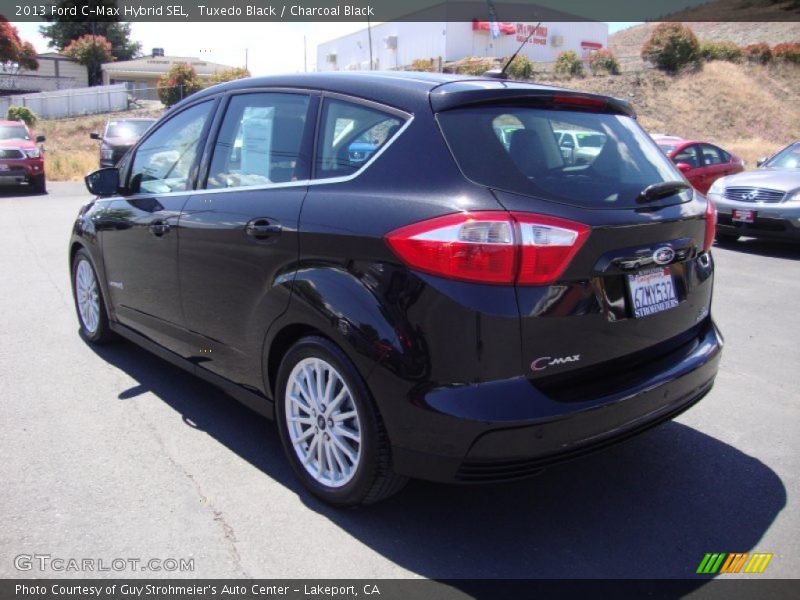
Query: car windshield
{"x":127,"y":129}
{"x":13,"y":132}
{"x":667,"y":148}
{"x":788,"y":158}
{"x":529,"y":160}
{"x":591,"y":140}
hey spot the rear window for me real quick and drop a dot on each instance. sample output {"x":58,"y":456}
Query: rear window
{"x":533,"y":151}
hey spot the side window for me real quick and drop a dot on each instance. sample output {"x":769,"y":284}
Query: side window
{"x":690,"y":156}
{"x":260,"y":141}
{"x":350,"y":134}
{"x":164,"y":160}
{"x":712,"y":155}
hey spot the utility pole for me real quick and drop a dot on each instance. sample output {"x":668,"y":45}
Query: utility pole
{"x":245,"y":58}
{"x":369,"y":34}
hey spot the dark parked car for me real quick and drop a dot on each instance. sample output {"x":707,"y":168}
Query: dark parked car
{"x":118,"y":137}
{"x":763,"y":203}
{"x":458,"y":307}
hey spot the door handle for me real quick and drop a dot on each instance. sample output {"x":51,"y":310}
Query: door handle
{"x":262,"y":229}
{"x":159,"y":228}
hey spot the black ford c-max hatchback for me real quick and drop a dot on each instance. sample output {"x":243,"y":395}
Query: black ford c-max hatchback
{"x":414,"y":274}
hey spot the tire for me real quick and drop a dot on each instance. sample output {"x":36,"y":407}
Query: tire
{"x":342,"y":472}
{"x":39,"y":184}
{"x":727,"y":238}
{"x":89,"y":302}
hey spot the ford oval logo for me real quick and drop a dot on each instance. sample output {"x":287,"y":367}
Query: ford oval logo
{"x":664,"y":255}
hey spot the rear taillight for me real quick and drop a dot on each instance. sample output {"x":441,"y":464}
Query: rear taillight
{"x":490,"y":247}
{"x":711,"y":225}
{"x":468,"y":246}
{"x":547,"y":247}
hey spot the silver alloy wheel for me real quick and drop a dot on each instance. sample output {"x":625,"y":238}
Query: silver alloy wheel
{"x":322,"y":421}
{"x":87,"y":296}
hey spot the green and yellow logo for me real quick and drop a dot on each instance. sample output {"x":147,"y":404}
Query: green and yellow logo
{"x":735,"y":562}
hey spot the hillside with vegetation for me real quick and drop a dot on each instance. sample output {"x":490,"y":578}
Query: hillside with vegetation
{"x":69,"y":152}
{"x":751,"y":110}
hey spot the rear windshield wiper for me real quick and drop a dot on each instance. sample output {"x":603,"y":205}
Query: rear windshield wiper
{"x":661,"y":190}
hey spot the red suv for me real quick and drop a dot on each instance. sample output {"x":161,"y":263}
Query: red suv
{"x":700,"y":162}
{"x":21,"y":159}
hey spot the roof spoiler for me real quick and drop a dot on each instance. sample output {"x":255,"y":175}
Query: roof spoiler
{"x":477,"y":92}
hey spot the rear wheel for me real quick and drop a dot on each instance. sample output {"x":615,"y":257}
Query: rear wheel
{"x":39,"y":184}
{"x":330,"y":428}
{"x":88,"y":298}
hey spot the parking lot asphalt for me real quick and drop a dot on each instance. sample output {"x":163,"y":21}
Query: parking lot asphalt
{"x":112,"y":453}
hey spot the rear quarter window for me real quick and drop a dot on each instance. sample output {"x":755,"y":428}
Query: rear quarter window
{"x":595,"y":160}
{"x":350,"y":135}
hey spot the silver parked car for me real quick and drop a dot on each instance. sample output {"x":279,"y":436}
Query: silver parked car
{"x":764,"y":203}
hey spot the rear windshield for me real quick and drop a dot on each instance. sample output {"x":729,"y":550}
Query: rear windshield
{"x":533,"y":151}
{"x":127,"y":129}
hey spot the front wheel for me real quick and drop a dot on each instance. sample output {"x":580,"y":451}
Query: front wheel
{"x":88,"y":299}
{"x":330,"y":428}
{"x":39,"y":184}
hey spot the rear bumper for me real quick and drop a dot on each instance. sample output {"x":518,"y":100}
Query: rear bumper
{"x":512,"y":430}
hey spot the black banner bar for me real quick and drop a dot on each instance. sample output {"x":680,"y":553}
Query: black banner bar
{"x":393,"y":589}
{"x":180,"y":11}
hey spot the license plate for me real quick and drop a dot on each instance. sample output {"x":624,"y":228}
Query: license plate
{"x":652,"y":291}
{"x":744,"y":216}
{"x":3,"y":167}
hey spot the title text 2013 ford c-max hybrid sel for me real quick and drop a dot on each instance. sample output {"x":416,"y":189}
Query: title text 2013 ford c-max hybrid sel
{"x":463,"y":306}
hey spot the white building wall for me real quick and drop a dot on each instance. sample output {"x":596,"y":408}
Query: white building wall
{"x":454,"y":41}
{"x":414,"y":40}
{"x":462,"y":41}
{"x":66,"y":68}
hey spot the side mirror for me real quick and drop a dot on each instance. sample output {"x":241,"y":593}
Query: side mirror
{"x":39,"y":139}
{"x":94,"y":135}
{"x":683,"y":167}
{"x":761,"y":161}
{"x":103,"y":182}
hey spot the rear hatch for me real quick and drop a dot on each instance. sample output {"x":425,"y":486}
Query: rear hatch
{"x":613,"y":273}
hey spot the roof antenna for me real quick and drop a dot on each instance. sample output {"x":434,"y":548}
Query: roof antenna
{"x":501,"y":73}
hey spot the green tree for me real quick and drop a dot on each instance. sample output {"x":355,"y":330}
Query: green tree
{"x":788,"y":52}
{"x":521,"y":67}
{"x":603,"y":60}
{"x":15,"y":53}
{"x":671,"y":47}
{"x":63,"y":30}
{"x":22,"y":113}
{"x":91,"y":51}
{"x":228,"y":75}
{"x":720,"y":51}
{"x":759,"y":53}
{"x":177,"y":83}
{"x":568,"y":63}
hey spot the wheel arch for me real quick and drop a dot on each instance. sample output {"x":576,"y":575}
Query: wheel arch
{"x":335,"y":304}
